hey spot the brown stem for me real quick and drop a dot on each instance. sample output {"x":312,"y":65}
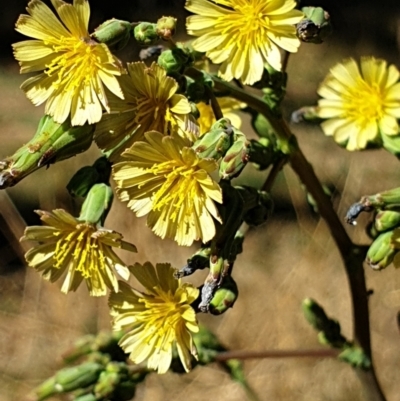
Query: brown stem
{"x":295,"y":353}
{"x":276,"y":168}
{"x":214,"y":104}
{"x":351,"y":254}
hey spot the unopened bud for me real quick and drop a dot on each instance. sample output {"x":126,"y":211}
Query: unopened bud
{"x":145,"y":34}
{"x":387,"y":220}
{"x":381,"y":252}
{"x":114,"y":33}
{"x":315,"y":27}
{"x":225,"y":296}
{"x":215,"y":143}
{"x":260,"y":213}
{"x":174,"y":60}
{"x":166,"y":27}
{"x":52,"y":143}
{"x":97,"y":204}
{"x":356,"y":357}
{"x":235,"y":158}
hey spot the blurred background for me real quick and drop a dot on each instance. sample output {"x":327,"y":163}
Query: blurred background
{"x":288,"y":259}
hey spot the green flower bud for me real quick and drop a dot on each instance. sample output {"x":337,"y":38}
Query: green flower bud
{"x":114,"y":33}
{"x":166,"y":27}
{"x":145,"y":34}
{"x":356,"y":357}
{"x":235,"y":158}
{"x":225,"y":296}
{"x":215,"y":143}
{"x":198,"y":85}
{"x":86,"y":397}
{"x":106,"y":384}
{"x":381,"y":252}
{"x":315,"y":27}
{"x":97,"y":204}
{"x":174,"y":60}
{"x":52,"y":143}
{"x":329,"y":329}
{"x":263,"y":153}
{"x":387,"y":220}
{"x":70,"y":379}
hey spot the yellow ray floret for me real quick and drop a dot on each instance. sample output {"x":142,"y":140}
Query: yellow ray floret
{"x":78,"y":250}
{"x":151,"y":104}
{"x":156,"y":320}
{"x":360,"y":104}
{"x":168,"y":181}
{"x":243,"y":34}
{"x":74,"y":68}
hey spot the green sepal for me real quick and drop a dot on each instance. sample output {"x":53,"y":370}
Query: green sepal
{"x":387,"y":220}
{"x":97,"y":204}
{"x":175,"y":60}
{"x":224,"y":297}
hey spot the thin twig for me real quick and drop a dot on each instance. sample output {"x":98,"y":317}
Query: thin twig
{"x":214,"y":104}
{"x":276,"y":168}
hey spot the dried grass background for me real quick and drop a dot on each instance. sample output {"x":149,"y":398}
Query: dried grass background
{"x":289,"y":258}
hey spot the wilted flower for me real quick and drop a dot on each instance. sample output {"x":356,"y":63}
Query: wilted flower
{"x":151,"y":103}
{"x":74,"y":67}
{"x":81,"y":250}
{"x":157,"y":319}
{"x":243,"y":34}
{"x":360,"y":104}
{"x":168,"y":181}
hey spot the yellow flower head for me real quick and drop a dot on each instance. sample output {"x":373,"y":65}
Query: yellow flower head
{"x":151,"y":103}
{"x":168,"y":181}
{"x":243,"y":34}
{"x":74,"y":67}
{"x":227,"y":104}
{"x":156,"y":320}
{"x":81,"y":250}
{"x":358,"y":105}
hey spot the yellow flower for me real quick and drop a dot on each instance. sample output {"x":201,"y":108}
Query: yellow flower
{"x":360,"y":105}
{"x":81,"y":250}
{"x":156,"y":320}
{"x":227,"y":104}
{"x":168,"y":181}
{"x":75,"y":67}
{"x":243,"y":34}
{"x":151,"y":103}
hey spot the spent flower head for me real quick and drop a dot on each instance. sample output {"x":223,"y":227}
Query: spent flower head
{"x":78,"y":250}
{"x":243,"y":34}
{"x":151,"y":103}
{"x":158,"y":319}
{"x":360,"y":103}
{"x":164,"y":178}
{"x":74,"y":68}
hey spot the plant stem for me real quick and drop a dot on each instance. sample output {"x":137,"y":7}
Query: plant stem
{"x":352,"y":255}
{"x":295,"y":353}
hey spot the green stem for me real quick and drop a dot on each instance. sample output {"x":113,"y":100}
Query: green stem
{"x":352,"y":255}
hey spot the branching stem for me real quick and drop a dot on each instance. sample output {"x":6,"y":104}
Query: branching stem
{"x":352,"y":255}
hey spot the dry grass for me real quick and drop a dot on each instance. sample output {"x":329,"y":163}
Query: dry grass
{"x":284,"y":262}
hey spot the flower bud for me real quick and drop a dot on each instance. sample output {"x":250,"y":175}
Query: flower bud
{"x":51,"y":143}
{"x":356,"y":357}
{"x":381,"y":252}
{"x":174,"y":60}
{"x":198,"y":85}
{"x":260,"y":213}
{"x":215,"y":143}
{"x":73,"y":378}
{"x":235,"y":158}
{"x":166,"y":27}
{"x":225,"y":296}
{"x":145,"y":34}
{"x":97,"y":204}
{"x":315,"y":27}
{"x":387,"y":220}
{"x":114,"y":33}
